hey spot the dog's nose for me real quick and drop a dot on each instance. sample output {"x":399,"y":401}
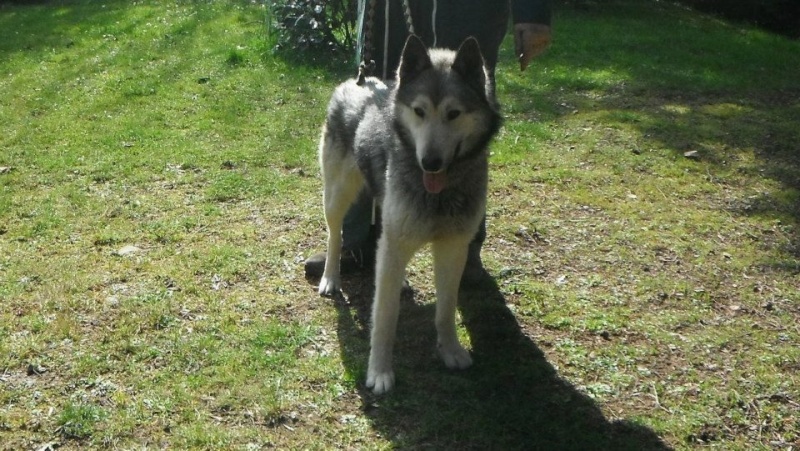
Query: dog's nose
{"x":432,"y":164}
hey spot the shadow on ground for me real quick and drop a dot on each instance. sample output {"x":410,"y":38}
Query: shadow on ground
{"x":512,"y":398}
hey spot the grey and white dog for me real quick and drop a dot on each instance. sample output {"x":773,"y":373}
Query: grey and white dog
{"x":420,"y":146}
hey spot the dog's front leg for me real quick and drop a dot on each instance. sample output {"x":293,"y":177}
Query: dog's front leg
{"x":389,"y":275}
{"x":449,"y":259}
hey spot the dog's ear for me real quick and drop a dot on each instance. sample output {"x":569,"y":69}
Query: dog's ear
{"x":470,"y":65}
{"x":414,"y":59}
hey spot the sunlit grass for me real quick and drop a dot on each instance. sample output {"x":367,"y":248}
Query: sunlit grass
{"x":160,"y":192}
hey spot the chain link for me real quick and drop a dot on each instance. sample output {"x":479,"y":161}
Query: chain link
{"x":367,"y":65}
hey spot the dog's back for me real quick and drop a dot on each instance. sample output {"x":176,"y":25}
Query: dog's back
{"x":358,"y":125}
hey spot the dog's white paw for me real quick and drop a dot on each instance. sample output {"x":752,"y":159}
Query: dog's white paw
{"x":328,"y":286}
{"x":455,"y":356}
{"x":380,"y":382}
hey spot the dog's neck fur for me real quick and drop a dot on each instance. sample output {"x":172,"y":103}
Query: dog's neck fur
{"x":466,"y":188}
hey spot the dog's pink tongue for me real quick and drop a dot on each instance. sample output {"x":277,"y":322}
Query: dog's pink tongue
{"x":434,"y":181}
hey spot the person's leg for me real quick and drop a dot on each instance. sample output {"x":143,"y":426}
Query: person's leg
{"x":487,"y":22}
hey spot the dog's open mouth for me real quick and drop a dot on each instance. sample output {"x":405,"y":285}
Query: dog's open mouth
{"x":434,"y":182}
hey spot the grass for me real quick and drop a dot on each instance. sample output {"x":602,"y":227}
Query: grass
{"x":159,"y":193}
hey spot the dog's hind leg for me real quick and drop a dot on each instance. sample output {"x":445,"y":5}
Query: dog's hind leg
{"x":341,"y":183}
{"x":449,"y":259}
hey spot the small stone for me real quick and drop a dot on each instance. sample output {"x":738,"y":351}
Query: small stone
{"x":35,"y":370}
{"x":128,"y":250}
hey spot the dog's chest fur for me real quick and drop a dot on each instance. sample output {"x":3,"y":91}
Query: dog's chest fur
{"x":453,"y":209}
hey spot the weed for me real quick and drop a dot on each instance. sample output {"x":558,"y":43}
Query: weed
{"x":78,"y":421}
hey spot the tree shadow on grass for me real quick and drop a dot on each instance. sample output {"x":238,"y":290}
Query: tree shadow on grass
{"x":686,"y":84}
{"x":512,"y":397}
{"x":737,"y":139}
{"x":50,"y":24}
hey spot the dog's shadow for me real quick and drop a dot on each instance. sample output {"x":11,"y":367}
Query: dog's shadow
{"x":511,"y":398}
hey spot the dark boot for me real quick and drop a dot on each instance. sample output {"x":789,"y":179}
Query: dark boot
{"x":353,"y":260}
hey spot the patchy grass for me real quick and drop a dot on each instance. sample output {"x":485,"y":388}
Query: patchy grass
{"x":158,"y":194}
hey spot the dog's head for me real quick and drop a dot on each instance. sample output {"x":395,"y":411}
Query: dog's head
{"x":443,"y":107}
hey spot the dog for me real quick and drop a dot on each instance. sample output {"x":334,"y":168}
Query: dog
{"x":420,"y":146}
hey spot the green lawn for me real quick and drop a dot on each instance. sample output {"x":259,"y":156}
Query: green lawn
{"x":159,"y":192}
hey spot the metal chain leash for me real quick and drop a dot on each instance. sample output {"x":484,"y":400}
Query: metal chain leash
{"x":367,"y":65}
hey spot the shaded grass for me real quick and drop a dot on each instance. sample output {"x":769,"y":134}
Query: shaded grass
{"x":641,"y":299}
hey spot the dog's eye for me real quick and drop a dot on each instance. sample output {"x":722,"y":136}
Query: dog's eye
{"x":419,"y":112}
{"x":452,"y":114}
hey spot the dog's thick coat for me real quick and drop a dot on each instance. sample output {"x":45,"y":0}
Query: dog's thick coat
{"x":420,"y":147}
